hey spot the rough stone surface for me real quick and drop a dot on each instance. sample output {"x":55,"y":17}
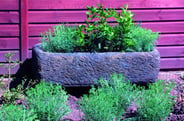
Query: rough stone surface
{"x":80,"y":69}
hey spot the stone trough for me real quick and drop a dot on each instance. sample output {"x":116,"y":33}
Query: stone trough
{"x":80,"y":68}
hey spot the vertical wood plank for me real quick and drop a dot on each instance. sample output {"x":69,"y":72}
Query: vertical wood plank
{"x":24,"y":29}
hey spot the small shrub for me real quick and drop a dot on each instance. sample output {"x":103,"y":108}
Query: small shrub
{"x":10,"y":96}
{"x":48,"y":101}
{"x":16,"y":113}
{"x":101,"y":36}
{"x":109,"y":100}
{"x":140,"y":40}
{"x":98,"y":35}
{"x":10,"y":65}
{"x":156,"y":103}
{"x":62,"y":39}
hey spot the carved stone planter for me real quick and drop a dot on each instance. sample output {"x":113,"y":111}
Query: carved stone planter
{"x":80,"y":69}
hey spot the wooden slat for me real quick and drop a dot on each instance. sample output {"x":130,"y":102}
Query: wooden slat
{"x":81,"y":4}
{"x":3,"y":58}
{"x":9,"y":17}
{"x":172,"y":63}
{"x":9,"y":30}
{"x":30,"y":53}
{"x":143,"y":3}
{"x":9,"y":43}
{"x":9,"y":4}
{"x":5,"y":71}
{"x":33,"y":41}
{"x":36,"y":29}
{"x":57,"y":16}
{"x":159,"y":15}
{"x":175,"y":51}
{"x":163,"y":27}
{"x":171,"y":39}
{"x":80,"y":16}
{"x":61,"y":4}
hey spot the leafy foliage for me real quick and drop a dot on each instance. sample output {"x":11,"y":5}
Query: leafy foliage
{"x":140,"y":40}
{"x":62,"y":39}
{"x":101,"y":36}
{"x":98,"y":35}
{"x":15,"y":112}
{"x":48,"y":101}
{"x":109,"y":101}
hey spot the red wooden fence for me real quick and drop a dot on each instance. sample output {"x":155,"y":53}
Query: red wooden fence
{"x":22,"y":21}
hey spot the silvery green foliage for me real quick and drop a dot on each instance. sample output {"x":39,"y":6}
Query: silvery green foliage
{"x":16,"y":113}
{"x":61,"y":39}
{"x":109,"y":101}
{"x":156,"y":102}
{"x":139,"y":39}
{"x":49,"y":101}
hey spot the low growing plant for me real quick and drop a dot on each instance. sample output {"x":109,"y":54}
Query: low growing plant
{"x":8,"y":65}
{"x":16,"y":113}
{"x":109,"y":101}
{"x":9,"y":96}
{"x":49,"y":101}
{"x":156,"y":103}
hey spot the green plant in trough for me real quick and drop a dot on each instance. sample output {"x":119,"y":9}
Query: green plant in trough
{"x":140,"y":39}
{"x":62,"y":39}
{"x":16,"y":113}
{"x":49,"y":101}
{"x":98,"y":35}
{"x":102,"y":36}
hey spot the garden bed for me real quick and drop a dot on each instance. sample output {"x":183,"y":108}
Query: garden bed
{"x":77,"y":115}
{"x":177,"y":110}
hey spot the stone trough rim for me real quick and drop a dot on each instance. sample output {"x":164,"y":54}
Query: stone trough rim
{"x":38,"y":46}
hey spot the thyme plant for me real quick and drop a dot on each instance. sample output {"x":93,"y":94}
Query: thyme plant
{"x":15,"y":112}
{"x":49,"y":101}
{"x":109,"y":101}
{"x":61,"y":39}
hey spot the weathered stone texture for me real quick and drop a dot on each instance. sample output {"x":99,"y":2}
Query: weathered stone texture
{"x":80,"y":69}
